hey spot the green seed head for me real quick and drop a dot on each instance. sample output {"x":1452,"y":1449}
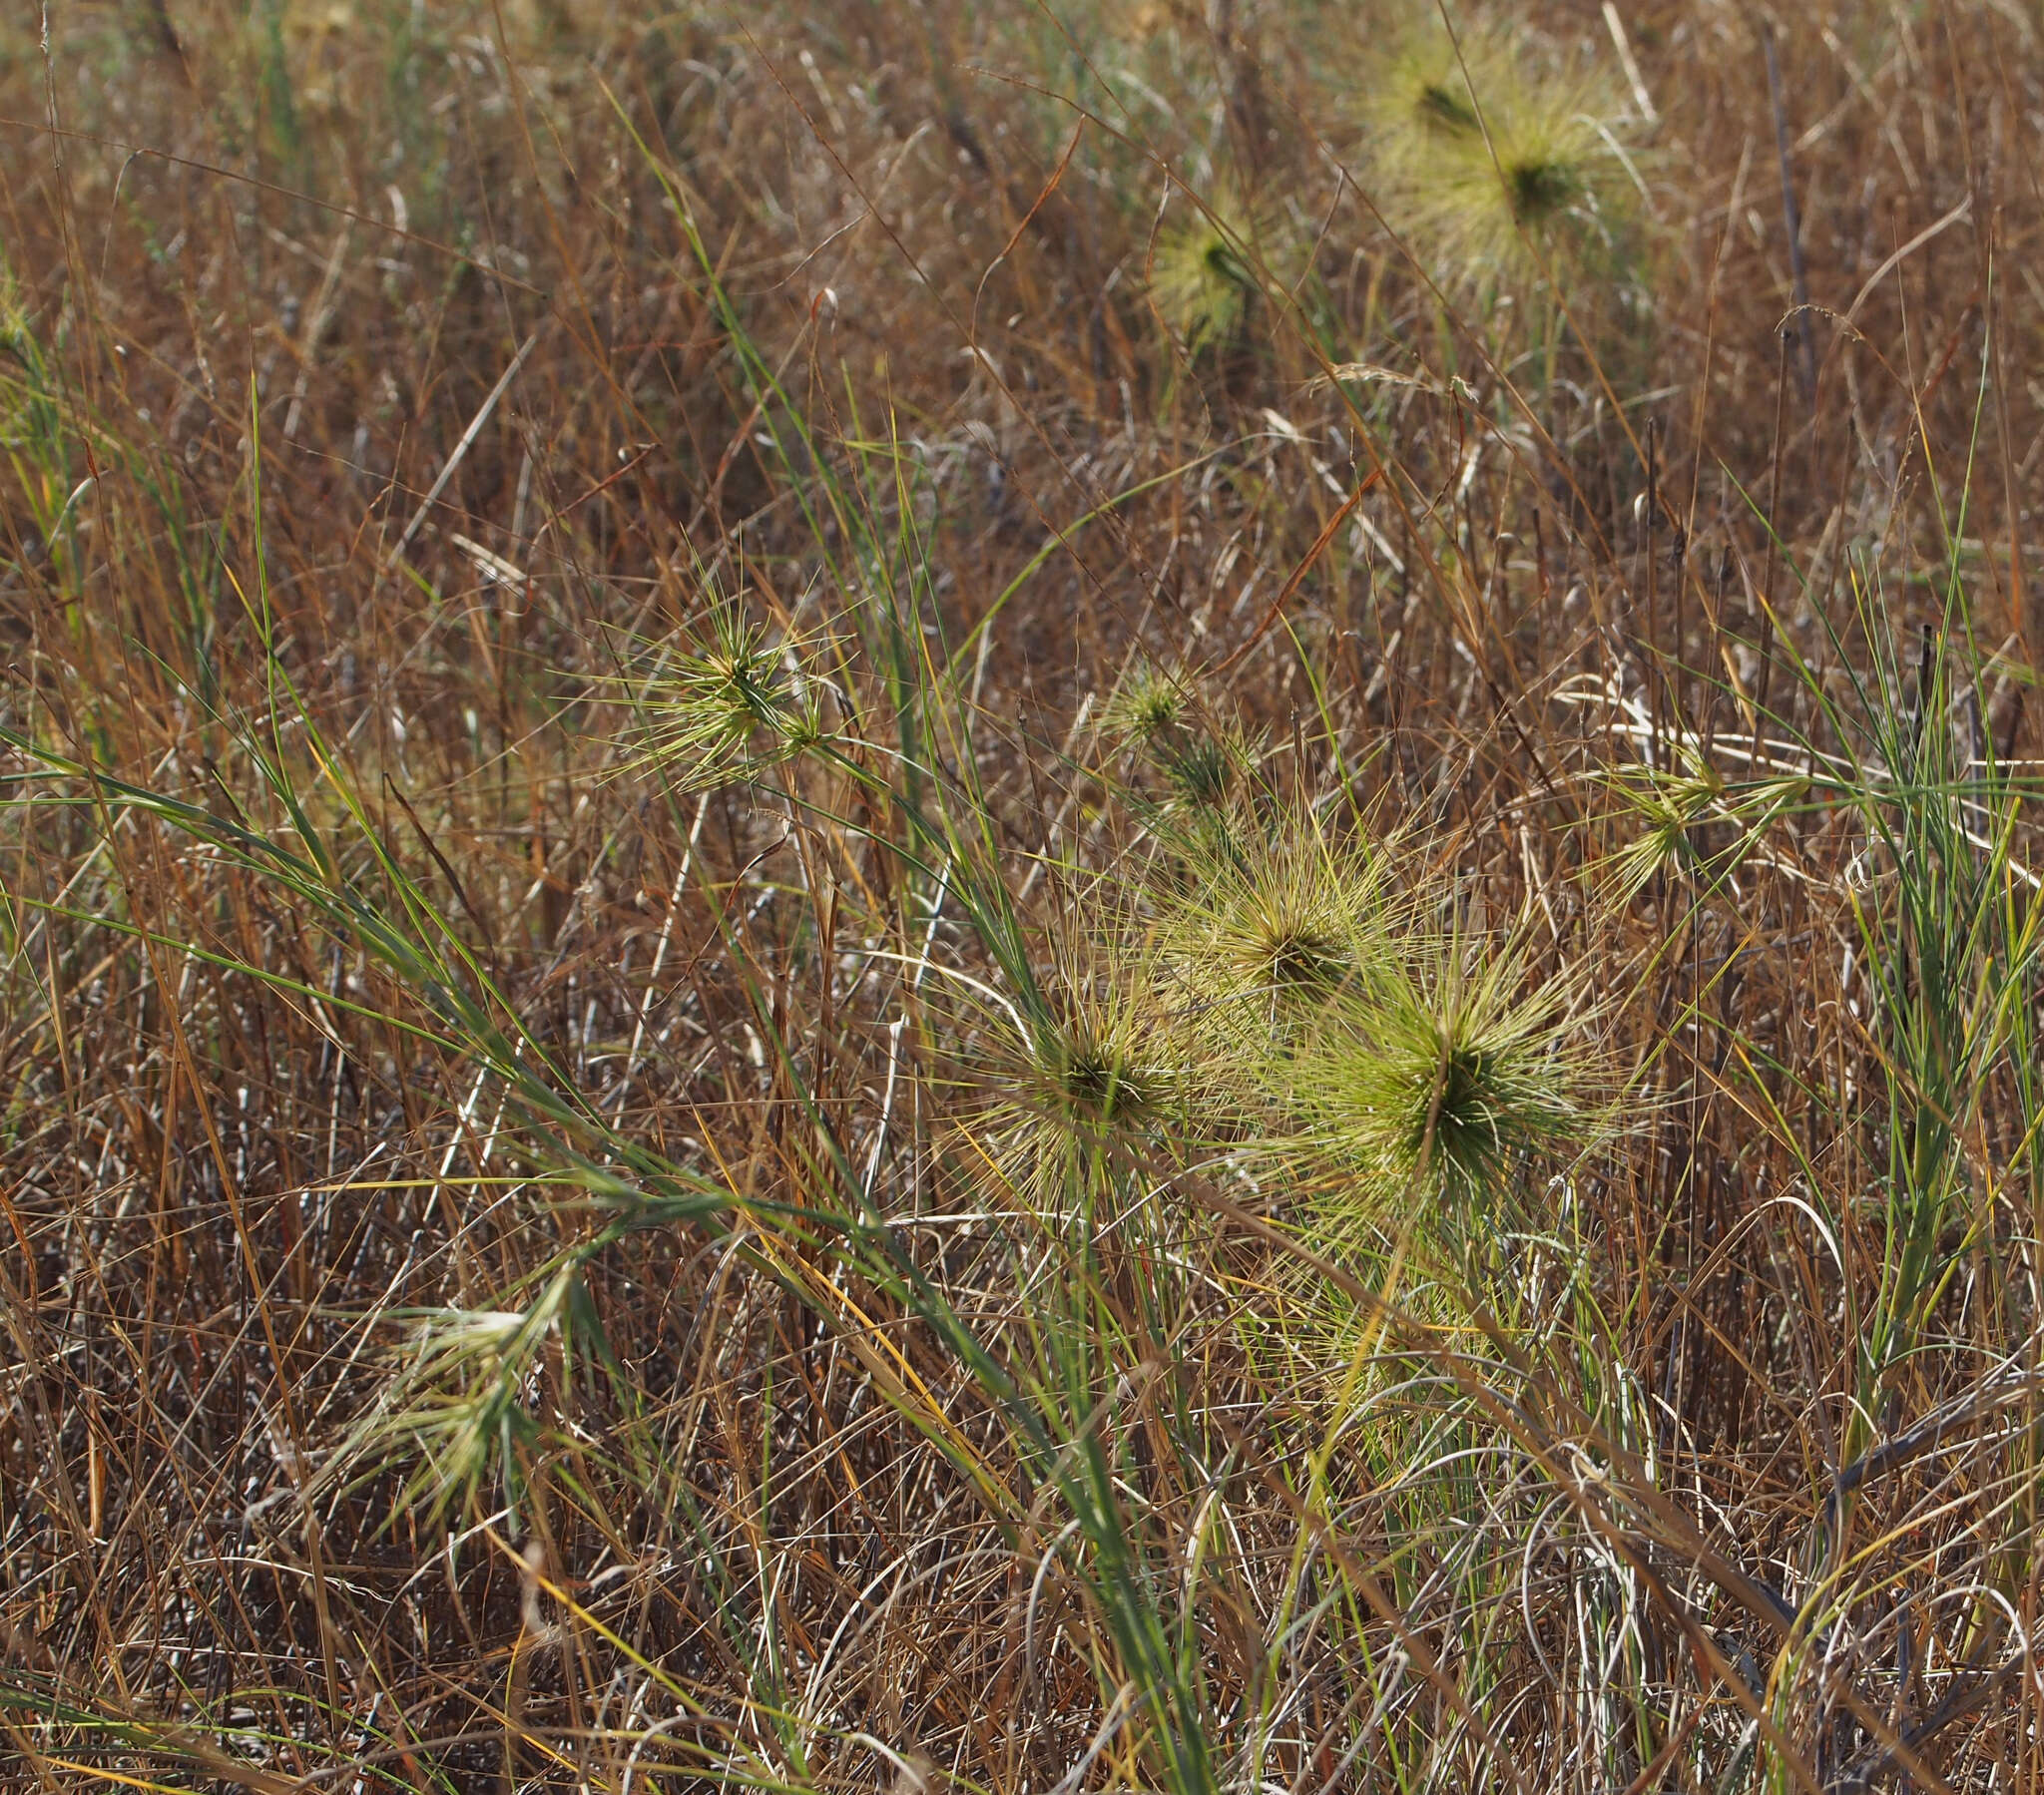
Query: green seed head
{"x":1492,"y":169}
{"x":1202,"y":277}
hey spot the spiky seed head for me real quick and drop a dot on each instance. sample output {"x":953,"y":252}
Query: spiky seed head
{"x":461,"y":1400}
{"x":1092,"y":1077}
{"x":1289,"y":933}
{"x":1148,"y":704}
{"x":1679,"y":810}
{"x":731,"y":705}
{"x":1200,"y":763}
{"x":1668,"y":809}
{"x":1460,"y":1070}
{"x":1487,"y":165}
{"x":1271,"y":933}
{"x":1090,"y":1084}
{"x":1202,"y":267}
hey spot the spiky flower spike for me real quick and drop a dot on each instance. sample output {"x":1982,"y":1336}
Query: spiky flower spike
{"x":1679,"y":810}
{"x":1488,"y":167}
{"x":1268,"y":936}
{"x":1202,"y":762}
{"x":1462,"y":1069}
{"x":1082,"y":1091}
{"x":1202,"y":267}
{"x":731,"y":705}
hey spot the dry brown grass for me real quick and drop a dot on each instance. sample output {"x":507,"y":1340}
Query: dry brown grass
{"x":379,"y":447}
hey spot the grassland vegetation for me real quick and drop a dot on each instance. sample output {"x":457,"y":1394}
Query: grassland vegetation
{"x":1020,"y":897}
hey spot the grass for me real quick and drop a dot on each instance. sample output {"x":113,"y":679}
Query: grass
{"x":1018,"y":899}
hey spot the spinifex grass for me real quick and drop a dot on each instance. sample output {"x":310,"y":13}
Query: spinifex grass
{"x":1500,"y":174}
{"x":655,"y":1136}
{"x":1206,"y":267}
{"x":1101,"y":1122}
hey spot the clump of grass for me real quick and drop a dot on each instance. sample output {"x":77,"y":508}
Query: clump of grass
{"x":1497,"y":173}
{"x":396,"y":1006}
